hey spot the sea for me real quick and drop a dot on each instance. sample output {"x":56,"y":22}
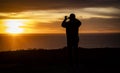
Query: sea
{"x":56,"y":41}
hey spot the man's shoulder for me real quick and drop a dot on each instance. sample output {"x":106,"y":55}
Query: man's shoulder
{"x":78,"y":21}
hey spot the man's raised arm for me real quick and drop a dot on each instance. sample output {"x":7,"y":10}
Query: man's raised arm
{"x":64,"y":22}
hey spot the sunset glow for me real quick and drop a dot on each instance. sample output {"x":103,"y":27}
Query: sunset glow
{"x":14,"y":26}
{"x":26,"y":20}
{"x":49,"y":21}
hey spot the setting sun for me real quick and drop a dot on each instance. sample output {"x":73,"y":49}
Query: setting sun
{"x":14,"y":30}
{"x":14,"y":26}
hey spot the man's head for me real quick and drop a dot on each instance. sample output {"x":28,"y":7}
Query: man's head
{"x":72,"y":16}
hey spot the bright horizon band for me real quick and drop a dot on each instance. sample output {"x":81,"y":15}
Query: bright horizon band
{"x":49,"y":21}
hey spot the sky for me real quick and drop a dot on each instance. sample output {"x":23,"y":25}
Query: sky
{"x":46,"y":16}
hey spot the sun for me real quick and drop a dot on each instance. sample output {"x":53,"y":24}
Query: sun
{"x":14,"y":26}
{"x":14,"y":30}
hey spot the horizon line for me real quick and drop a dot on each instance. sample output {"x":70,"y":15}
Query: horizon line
{"x":63,"y":33}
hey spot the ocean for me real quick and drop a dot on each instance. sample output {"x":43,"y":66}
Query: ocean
{"x":56,"y":41}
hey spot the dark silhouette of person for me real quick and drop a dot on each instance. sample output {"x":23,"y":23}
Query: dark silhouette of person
{"x":72,"y":28}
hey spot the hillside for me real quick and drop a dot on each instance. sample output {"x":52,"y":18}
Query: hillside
{"x":94,"y":60}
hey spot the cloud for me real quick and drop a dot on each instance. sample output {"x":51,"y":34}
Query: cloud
{"x":101,"y":24}
{"x":88,"y":25}
{"x":109,"y":11}
{"x":57,"y":15}
{"x":23,"y":5}
{"x":3,"y":17}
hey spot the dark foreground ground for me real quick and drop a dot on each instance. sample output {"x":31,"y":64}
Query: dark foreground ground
{"x":99,"y":60}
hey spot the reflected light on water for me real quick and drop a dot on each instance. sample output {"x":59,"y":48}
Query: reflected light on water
{"x":14,"y":28}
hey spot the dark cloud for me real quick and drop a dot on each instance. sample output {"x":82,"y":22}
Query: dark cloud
{"x":3,"y":17}
{"x":22,"y":5}
{"x":101,"y":24}
{"x":111,"y":15}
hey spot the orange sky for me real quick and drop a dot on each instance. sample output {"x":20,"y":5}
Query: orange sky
{"x":35,"y":19}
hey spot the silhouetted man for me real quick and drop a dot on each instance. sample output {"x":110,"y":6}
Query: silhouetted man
{"x":72,"y":28}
